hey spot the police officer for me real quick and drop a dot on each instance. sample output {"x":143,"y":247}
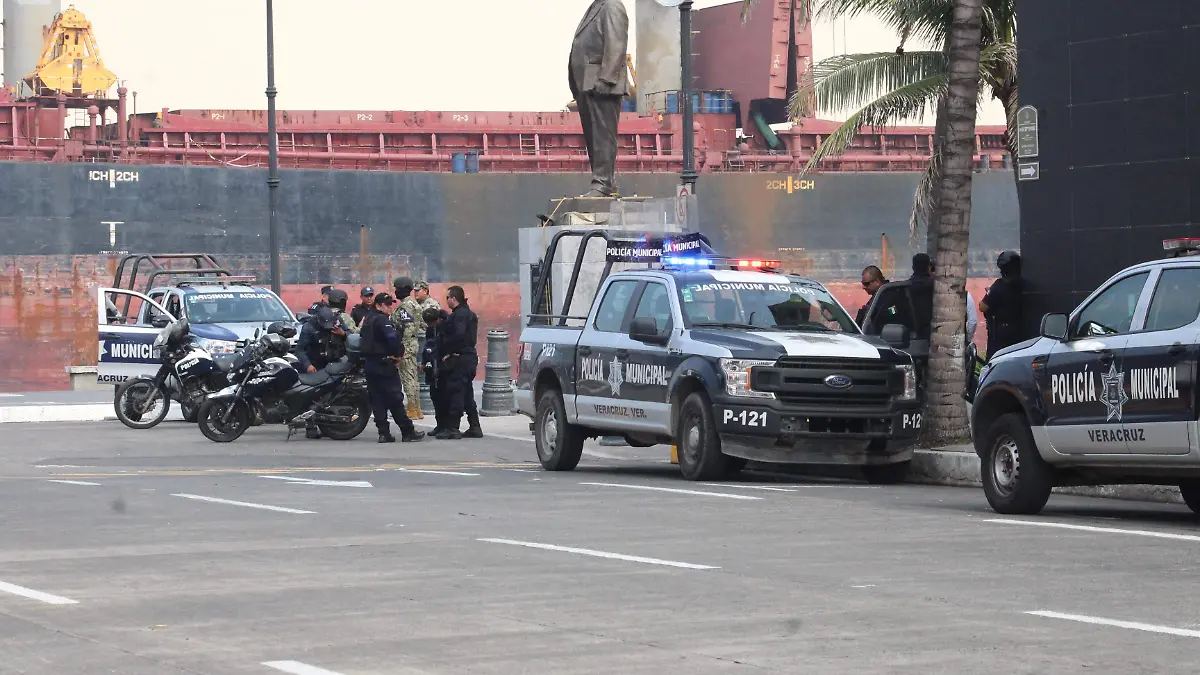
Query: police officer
{"x":405,"y":323}
{"x":337,"y":302}
{"x":430,"y":361}
{"x":360,"y":310}
{"x":459,"y":361}
{"x":872,"y":281}
{"x":1001,"y":305}
{"x":317,"y":346}
{"x":382,"y":350}
{"x":323,"y":302}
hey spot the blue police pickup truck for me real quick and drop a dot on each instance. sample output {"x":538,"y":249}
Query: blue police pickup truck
{"x":729,"y":361}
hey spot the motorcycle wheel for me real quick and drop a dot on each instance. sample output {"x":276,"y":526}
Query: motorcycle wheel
{"x":190,"y":412}
{"x":361,"y":404}
{"x":209,"y":419}
{"x":140,"y":405}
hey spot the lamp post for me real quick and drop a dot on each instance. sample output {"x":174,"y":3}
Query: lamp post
{"x":689,"y":126}
{"x":272,"y":153}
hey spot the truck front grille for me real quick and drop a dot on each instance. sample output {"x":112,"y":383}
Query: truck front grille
{"x":800,"y":381}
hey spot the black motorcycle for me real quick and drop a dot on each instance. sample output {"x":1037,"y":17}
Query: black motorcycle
{"x":264,"y":382}
{"x":187,"y":375}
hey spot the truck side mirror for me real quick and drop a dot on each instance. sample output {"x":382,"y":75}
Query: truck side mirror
{"x":160,"y":322}
{"x":645,"y":329}
{"x":301,"y":317}
{"x":896,"y":335}
{"x":1054,"y":326}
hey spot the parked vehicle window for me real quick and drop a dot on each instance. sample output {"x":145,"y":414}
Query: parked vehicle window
{"x":1111,"y":312}
{"x":773,"y":306}
{"x":611,"y":314}
{"x":656,"y":304}
{"x":236,"y":307}
{"x":1176,"y":301}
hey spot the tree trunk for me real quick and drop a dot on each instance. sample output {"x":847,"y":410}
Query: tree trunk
{"x":947,"y":372}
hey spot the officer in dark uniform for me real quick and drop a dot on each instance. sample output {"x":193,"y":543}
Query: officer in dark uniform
{"x":1001,"y":305}
{"x":459,"y":361}
{"x":430,"y":361}
{"x":382,"y":351}
{"x":359,"y":312}
{"x":321,"y":341}
{"x":323,"y":302}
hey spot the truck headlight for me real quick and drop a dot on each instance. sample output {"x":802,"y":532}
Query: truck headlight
{"x":910,"y":382}
{"x":216,"y":346}
{"x":737,"y":377}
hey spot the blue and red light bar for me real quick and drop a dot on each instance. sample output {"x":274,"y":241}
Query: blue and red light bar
{"x":752,"y":264}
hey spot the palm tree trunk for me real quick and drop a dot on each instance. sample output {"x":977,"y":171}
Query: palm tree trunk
{"x":947,"y":374}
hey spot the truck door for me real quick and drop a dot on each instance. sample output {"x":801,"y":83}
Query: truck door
{"x":1160,"y":367}
{"x":1084,"y":388}
{"x":127,"y":324}
{"x":645,"y":369}
{"x":600,"y":373}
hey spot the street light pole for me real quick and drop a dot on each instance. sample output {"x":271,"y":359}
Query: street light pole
{"x":689,"y":126}
{"x":272,"y":153}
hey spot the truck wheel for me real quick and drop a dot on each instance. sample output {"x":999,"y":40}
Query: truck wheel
{"x":1190,"y":491}
{"x":700,"y":456}
{"x":1016,"y":480}
{"x":559,"y":443}
{"x":886,"y":474}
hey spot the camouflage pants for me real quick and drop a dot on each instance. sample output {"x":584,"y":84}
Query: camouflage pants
{"x":412,"y":387}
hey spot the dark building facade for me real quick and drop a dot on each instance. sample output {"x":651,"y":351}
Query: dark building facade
{"x":1117,"y":87}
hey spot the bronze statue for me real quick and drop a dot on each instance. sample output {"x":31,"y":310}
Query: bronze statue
{"x":598,"y":82}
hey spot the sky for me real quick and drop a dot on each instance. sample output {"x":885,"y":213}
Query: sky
{"x":460,"y":55}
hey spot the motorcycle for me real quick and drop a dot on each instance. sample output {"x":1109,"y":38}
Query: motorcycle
{"x":265,"y":384}
{"x":187,"y":375}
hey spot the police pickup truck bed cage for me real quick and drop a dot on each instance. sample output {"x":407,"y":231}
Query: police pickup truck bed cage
{"x":183,"y":269}
{"x":683,"y":252}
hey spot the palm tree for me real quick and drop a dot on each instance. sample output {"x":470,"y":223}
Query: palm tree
{"x":947,"y":368}
{"x":885,"y":88}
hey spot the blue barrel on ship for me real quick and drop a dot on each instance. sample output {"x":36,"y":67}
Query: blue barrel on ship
{"x":672,"y":103}
{"x":458,"y":162}
{"x":696,"y":102}
{"x":707,"y":101}
{"x":628,"y":105}
{"x":472,"y":162}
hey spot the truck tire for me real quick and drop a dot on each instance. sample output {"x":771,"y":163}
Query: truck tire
{"x":1016,"y":480}
{"x":559,"y":443}
{"x":700,"y":456}
{"x":886,"y":474}
{"x":1190,"y":491}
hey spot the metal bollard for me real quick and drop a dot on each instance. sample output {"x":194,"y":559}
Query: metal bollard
{"x":497,"y":385}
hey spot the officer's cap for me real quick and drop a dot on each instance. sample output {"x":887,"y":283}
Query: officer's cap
{"x":402,"y":282}
{"x":384,"y":299}
{"x":1007,"y":258}
{"x":367,"y":290}
{"x":325,"y":318}
{"x":325,"y":290}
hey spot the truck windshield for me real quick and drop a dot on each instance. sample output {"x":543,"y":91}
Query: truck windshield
{"x":782,"y":306}
{"x":236,"y":307}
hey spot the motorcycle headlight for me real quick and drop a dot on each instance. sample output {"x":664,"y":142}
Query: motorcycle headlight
{"x":737,"y":377}
{"x":216,"y":346}
{"x":910,"y":382}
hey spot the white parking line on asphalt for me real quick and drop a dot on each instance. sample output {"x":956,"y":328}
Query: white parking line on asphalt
{"x":265,"y":507}
{"x":1092,"y":528}
{"x":72,"y":482}
{"x":36,"y":595}
{"x":522,"y":470}
{"x":601,"y":554}
{"x":1117,"y":623}
{"x":297,"y":668}
{"x":700,"y":493}
{"x":440,"y":473}
{"x":748,"y":487}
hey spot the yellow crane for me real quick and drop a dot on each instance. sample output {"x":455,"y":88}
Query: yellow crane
{"x":70,"y":62}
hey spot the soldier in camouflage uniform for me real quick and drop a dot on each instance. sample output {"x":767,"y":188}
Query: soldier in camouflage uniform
{"x":406,"y":326}
{"x":416,"y":304}
{"x":337,"y":302}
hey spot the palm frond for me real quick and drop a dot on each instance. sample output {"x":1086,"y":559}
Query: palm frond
{"x":853,"y":80}
{"x":923,"y":201}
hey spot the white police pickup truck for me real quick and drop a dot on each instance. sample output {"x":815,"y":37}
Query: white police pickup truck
{"x":729,"y":362}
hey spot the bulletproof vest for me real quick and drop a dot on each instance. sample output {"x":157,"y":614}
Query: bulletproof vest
{"x":371,"y":343}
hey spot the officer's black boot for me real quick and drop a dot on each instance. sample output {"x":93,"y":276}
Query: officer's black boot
{"x":473,"y":428}
{"x":386,"y":437}
{"x":449,"y":435}
{"x":412,"y":436}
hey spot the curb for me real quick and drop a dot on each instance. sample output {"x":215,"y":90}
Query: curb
{"x":961,"y":468}
{"x":85,"y":412}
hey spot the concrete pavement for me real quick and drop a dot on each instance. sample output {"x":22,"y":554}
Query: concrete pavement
{"x":160,"y":552}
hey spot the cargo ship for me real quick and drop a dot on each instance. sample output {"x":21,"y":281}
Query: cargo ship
{"x":367,"y":195}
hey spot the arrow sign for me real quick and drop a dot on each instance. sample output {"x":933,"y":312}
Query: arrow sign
{"x":326,"y":483}
{"x":1029,"y":171}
